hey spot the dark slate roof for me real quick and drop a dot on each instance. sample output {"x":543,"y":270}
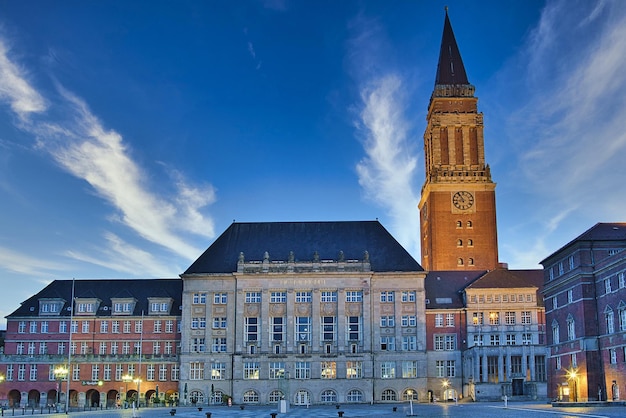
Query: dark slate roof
{"x":502,"y":278}
{"x":444,"y":289}
{"x":602,"y":231}
{"x":304,"y":239}
{"x":450,"y":69}
{"x":105,"y":290}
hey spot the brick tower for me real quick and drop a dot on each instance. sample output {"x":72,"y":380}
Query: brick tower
{"x":458,"y":203}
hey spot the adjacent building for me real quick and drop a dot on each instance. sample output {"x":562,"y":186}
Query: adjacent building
{"x":585,"y":298}
{"x":93,"y":343}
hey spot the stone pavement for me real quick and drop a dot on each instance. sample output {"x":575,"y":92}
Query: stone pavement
{"x":437,"y":410}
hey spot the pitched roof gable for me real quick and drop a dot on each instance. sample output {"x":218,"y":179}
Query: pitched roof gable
{"x":304,"y":239}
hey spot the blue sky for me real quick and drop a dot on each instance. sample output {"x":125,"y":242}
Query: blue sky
{"x":132,"y":133}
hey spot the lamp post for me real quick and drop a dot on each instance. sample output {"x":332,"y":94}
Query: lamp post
{"x":138,"y":382}
{"x":60,"y":373}
{"x":572,"y":376}
{"x":126,"y":378}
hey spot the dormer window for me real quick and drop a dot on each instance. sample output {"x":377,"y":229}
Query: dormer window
{"x":86,"y":306}
{"x":123,"y":306}
{"x":160,"y":306}
{"x":50,"y":306}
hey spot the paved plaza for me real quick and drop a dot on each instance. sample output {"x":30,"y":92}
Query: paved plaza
{"x":473,"y":410}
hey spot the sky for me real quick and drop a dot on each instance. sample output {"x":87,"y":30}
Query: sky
{"x":133,"y":133}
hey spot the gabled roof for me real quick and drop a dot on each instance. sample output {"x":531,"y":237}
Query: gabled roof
{"x":328,"y":239}
{"x":450,"y":69}
{"x":602,"y":231}
{"x":444,"y":289}
{"x":105,"y":290}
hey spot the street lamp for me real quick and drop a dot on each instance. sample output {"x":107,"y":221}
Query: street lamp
{"x":60,"y":373}
{"x":445,"y":385}
{"x":572,"y":376}
{"x":126,"y":378}
{"x":138,"y":381}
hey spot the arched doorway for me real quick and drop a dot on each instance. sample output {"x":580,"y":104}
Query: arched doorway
{"x":14,"y":398}
{"x":92,"y":398}
{"x":33,"y":398}
{"x":52,"y":397}
{"x":73,"y":401}
{"x":302,"y":397}
{"x":113,"y":398}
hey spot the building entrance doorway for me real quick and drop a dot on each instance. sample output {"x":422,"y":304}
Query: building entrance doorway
{"x":518,"y":387}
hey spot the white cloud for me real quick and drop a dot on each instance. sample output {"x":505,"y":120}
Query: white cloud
{"x":81,"y":145}
{"x":14,"y":261}
{"x":569,"y":129}
{"x":120,"y":256}
{"x":386,"y":174}
{"x":15,"y":89}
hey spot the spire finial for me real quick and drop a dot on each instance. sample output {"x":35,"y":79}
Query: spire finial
{"x":446,"y":9}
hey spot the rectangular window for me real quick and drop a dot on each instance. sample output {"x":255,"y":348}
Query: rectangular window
{"x":219,"y":345}
{"x":169,"y":326}
{"x":607,"y":285}
{"x":303,"y":297}
{"x":199,"y":298}
{"x":303,"y":328}
{"x":303,"y":370}
{"x":478,"y":339}
{"x":157,"y":326}
{"x":613,"y":355}
{"x":478,"y":318}
{"x":449,"y":320}
{"x":387,"y":370}
{"x":219,"y":323}
{"x":526,"y":318}
{"x":175,"y":372}
{"x":439,"y":320}
{"x":516,"y":364}
{"x":409,"y":343}
{"x":387,"y":321}
{"x":509,"y":318}
{"x":251,"y":370}
{"x":103,"y":348}
{"x":104,"y":327}
{"x":251,"y":328}
{"x":33,"y":372}
{"x":408,"y":296}
{"x":555,"y":302}
{"x":570,"y":296}
{"x":329,"y":370}
{"x":95,"y":372}
{"x":450,"y":342}
{"x":156,"y":347}
{"x":494,"y":339}
{"x":115,"y":327}
{"x":277,"y":370}
{"x":106,"y":372}
{"x":196,"y":370}
{"x":220,"y":298}
{"x":253,"y":297}
{"x":388,"y":343}
{"x":162,"y":372}
{"x":609,"y":318}
{"x":354,"y":370}
{"x":510,"y":339}
{"x":408,"y":320}
{"x":540,"y":368}
{"x":138,"y":327}
{"x":492,"y":369}
{"x":218,"y":371}
{"x":74,"y":327}
{"x":440,"y":366}
{"x":494,"y":318}
{"x":621,"y":280}
{"x":278,"y":328}
{"x":126,"y":329}
{"x":527,"y":338}
{"x":450,"y":368}
{"x":386,"y":296}
{"x":329,"y":296}
{"x":44,"y":327}
{"x":198,"y":345}
{"x":409,"y":369}
{"x":278,"y":297}
{"x":354,"y":296}
{"x":329,"y":324}
{"x":354,"y":328}
{"x":85,"y":327}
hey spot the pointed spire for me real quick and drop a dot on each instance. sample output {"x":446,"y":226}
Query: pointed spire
{"x":450,"y":69}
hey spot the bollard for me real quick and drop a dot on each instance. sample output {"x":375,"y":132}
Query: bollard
{"x":340,"y":413}
{"x":506,"y":399}
{"x":208,"y":414}
{"x":273,"y":414}
{"x":172,"y":412}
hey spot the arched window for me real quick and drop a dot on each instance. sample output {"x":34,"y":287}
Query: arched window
{"x":250,"y":396}
{"x":329,"y":396}
{"x":275,"y":396}
{"x":459,"y":224}
{"x":459,"y":243}
{"x":470,"y":242}
{"x":409,"y":394}
{"x":470,"y":261}
{"x":459,"y":262}
{"x":388,"y":395}
{"x":571,"y":328}
{"x":609,"y":319}
{"x":469,"y":224}
{"x":621,"y":311}
{"x":355,"y":395}
{"x":556,"y":338}
{"x":218,"y":397}
{"x":196,"y":396}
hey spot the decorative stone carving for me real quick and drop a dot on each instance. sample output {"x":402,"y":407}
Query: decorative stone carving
{"x":252,"y":310}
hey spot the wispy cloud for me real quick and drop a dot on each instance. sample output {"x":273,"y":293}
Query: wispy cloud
{"x":14,"y":89}
{"x":570,"y":129}
{"x":82,"y":146}
{"x":388,"y":170}
{"x":123,"y":257}
{"x":17,"y":262}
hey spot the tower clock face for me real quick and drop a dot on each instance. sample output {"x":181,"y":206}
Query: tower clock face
{"x":463,"y":200}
